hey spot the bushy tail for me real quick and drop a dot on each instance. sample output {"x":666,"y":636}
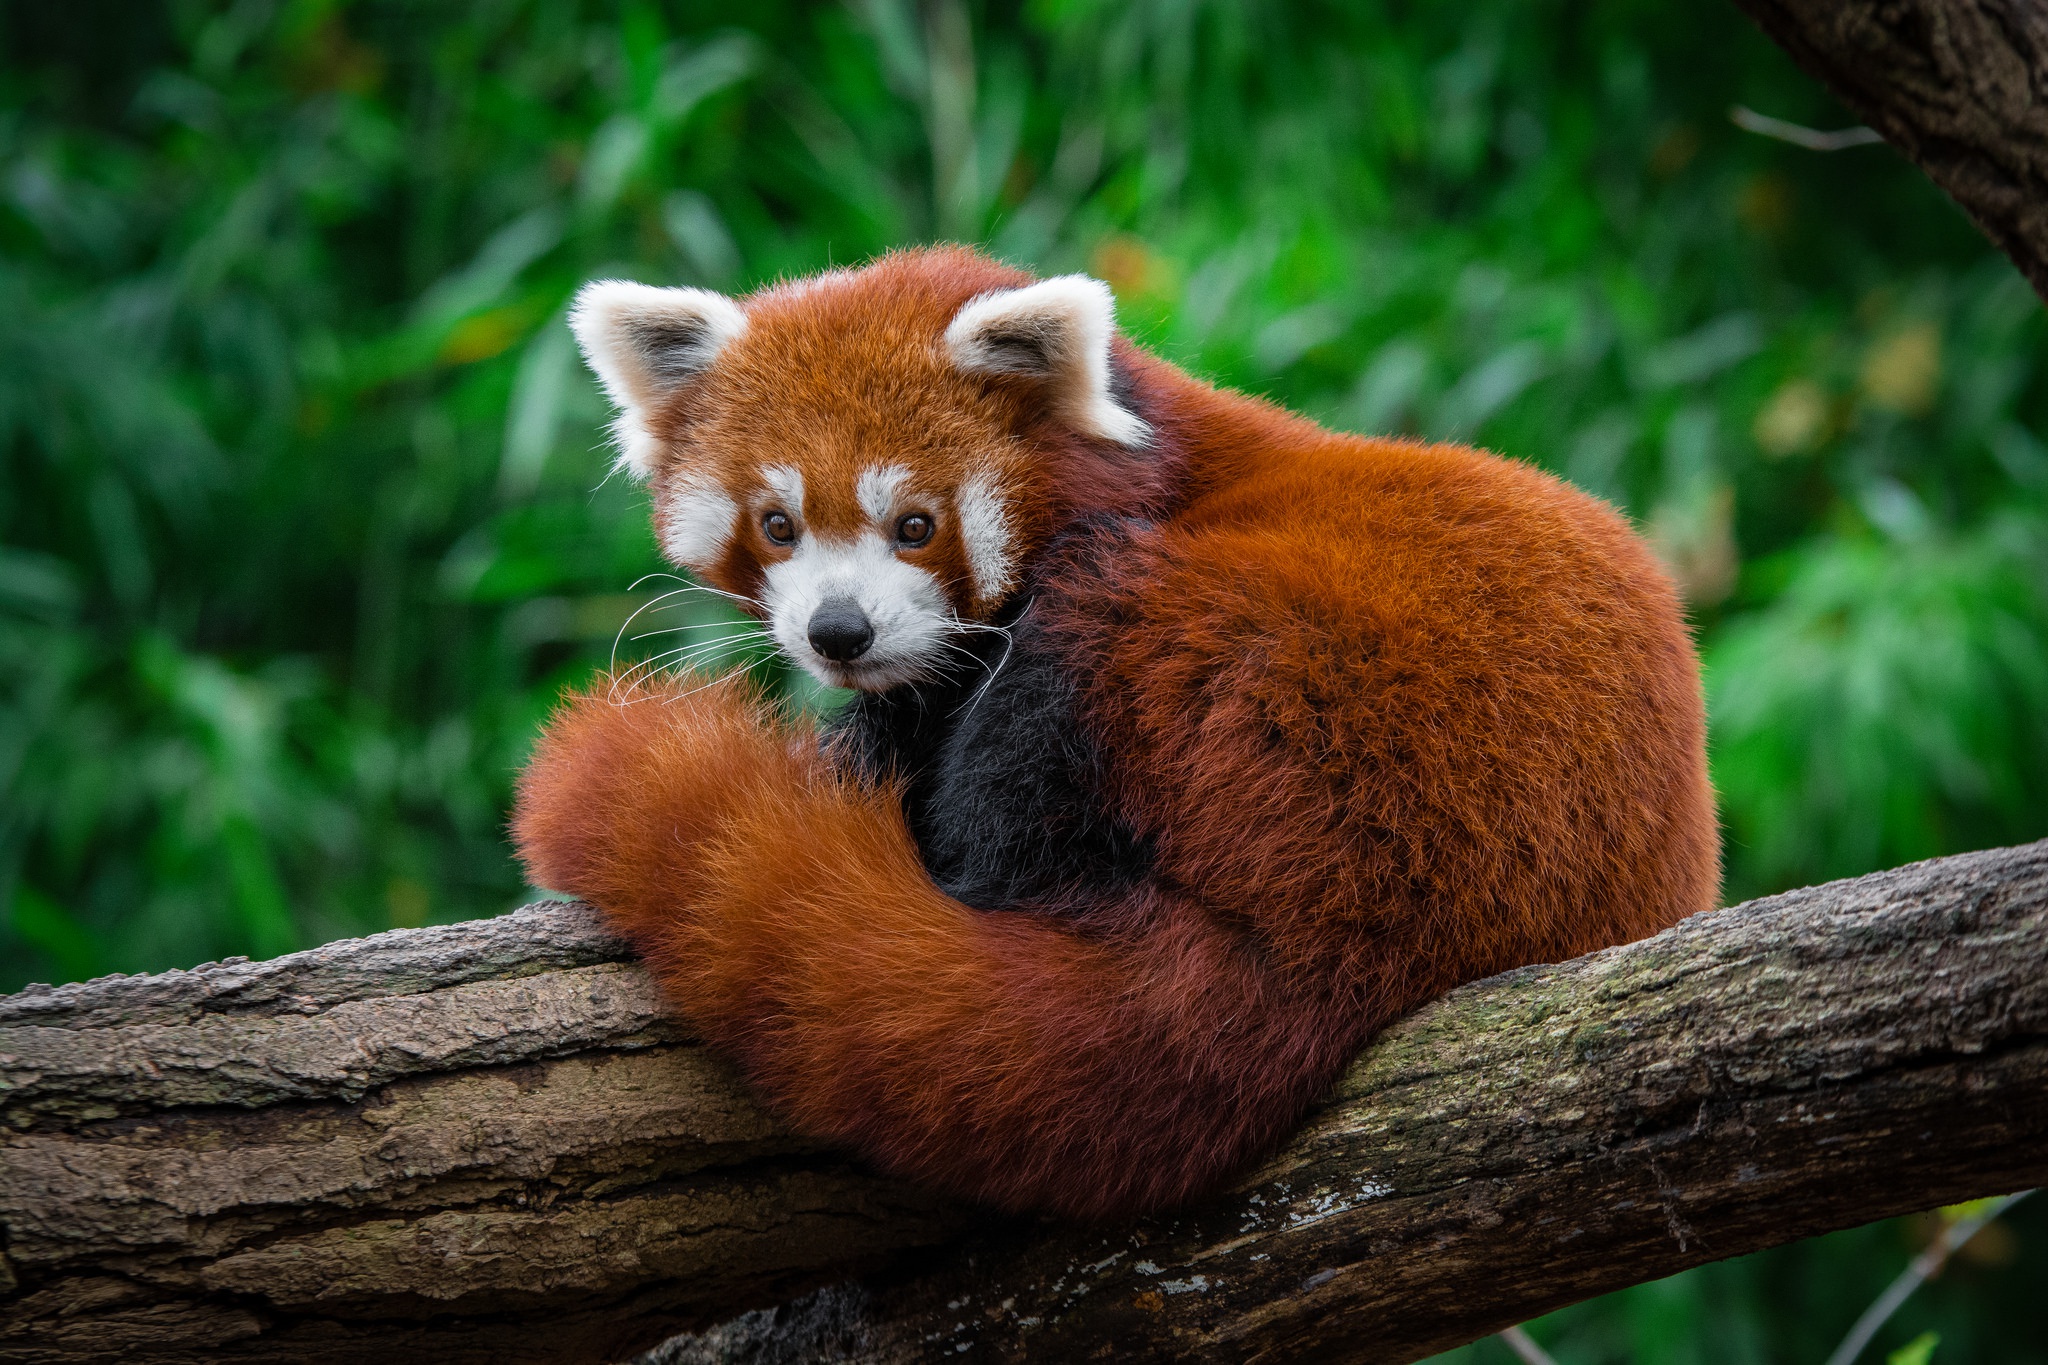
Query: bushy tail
{"x":1031,"y":1062}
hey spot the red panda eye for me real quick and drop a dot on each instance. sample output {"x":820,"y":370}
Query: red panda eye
{"x":914,"y":529}
{"x":779,"y":527}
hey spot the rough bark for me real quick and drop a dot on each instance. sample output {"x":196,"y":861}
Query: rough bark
{"x":487,"y":1142}
{"x":1959,"y":86}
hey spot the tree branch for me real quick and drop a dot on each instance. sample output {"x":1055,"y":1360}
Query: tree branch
{"x":1959,"y":86}
{"x":488,"y":1142}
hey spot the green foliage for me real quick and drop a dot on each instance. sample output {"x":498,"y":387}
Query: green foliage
{"x":1888,"y":705}
{"x":305,"y":518}
{"x":1918,"y":1351}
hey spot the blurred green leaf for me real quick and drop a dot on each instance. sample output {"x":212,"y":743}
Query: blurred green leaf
{"x":45,"y":925}
{"x":1918,"y":1351}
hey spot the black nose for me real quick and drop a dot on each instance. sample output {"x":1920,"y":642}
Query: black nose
{"x":840,"y":630}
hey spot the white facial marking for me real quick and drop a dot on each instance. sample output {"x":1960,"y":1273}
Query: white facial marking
{"x":876,"y":490}
{"x":1059,"y":330}
{"x":904,"y":605}
{"x":787,"y":483}
{"x":644,"y":343}
{"x":699,"y":521}
{"x":990,"y":541}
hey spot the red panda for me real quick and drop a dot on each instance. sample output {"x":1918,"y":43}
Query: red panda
{"x":1192,"y":743}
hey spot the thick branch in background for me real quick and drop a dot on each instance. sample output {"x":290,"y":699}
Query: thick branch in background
{"x":488,"y":1143}
{"x":1960,"y":86}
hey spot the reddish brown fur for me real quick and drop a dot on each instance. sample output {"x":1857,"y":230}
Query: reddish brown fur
{"x":1394,"y":716}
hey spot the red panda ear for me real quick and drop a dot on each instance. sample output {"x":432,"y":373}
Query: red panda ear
{"x":645,"y":344}
{"x":1057,"y":331}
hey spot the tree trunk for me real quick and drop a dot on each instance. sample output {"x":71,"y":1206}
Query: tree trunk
{"x":1960,"y":86}
{"x":489,"y":1143}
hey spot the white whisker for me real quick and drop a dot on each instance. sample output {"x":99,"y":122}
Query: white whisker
{"x":627,"y":624}
{"x":721,"y":678}
{"x":746,"y":629}
{"x":684,"y":663}
{"x":690,"y":653}
{"x":683,"y":586}
{"x":660,"y":664}
{"x":1009,"y":643}
{"x":688,"y":586}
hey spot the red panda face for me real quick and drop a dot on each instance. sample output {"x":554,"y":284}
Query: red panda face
{"x":867,"y":458}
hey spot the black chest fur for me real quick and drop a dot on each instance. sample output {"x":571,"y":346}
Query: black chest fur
{"x":1001,"y":779}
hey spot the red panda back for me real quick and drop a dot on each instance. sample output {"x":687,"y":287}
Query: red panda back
{"x":1416,"y":713}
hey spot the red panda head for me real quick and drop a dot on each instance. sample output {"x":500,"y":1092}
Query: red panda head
{"x":867,"y":457}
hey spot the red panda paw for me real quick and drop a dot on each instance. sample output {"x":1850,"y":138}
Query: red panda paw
{"x":630,"y":780}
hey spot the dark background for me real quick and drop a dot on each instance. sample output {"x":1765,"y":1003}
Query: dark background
{"x":304,"y":519}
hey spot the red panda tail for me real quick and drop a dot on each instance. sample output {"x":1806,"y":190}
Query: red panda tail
{"x":1012,"y":1057}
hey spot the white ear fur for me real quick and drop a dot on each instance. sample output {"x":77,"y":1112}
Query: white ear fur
{"x":1060,"y":330}
{"x":644,"y":343}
